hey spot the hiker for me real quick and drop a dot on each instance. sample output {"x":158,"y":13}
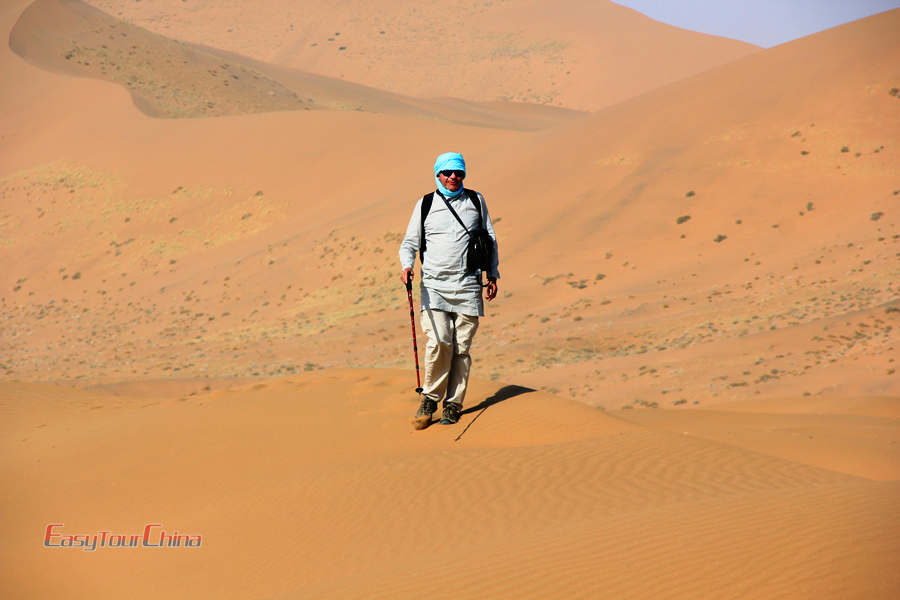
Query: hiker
{"x":450,"y":288}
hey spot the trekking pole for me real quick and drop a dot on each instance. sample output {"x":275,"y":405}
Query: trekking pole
{"x":412,"y":320}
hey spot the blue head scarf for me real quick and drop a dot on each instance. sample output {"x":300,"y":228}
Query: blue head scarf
{"x":449,"y":161}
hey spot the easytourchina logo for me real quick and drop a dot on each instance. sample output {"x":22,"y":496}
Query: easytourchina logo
{"x":153,"y":536}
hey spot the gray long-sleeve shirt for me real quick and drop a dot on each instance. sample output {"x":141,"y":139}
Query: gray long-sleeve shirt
{"x":444,"y":282}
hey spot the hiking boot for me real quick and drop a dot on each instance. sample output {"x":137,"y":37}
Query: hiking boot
{"x":451,"y":413}
{"x":423,"y":415}
{"x":426,"y":408}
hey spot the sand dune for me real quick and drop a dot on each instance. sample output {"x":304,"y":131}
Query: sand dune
{"x":202,"y":325}
{"x":164,"y":77}
{"x":796,"y":296}
{"x":861,"y":445}
{"x":167,"y":78}
{"x":737,"y":215}
{"x":313,"y":486}
{"x":574,"y":54}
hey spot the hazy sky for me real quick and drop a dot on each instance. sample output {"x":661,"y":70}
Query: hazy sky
{"x":761,"y":22}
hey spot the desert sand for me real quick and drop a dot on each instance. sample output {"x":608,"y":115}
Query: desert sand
{"x":686,"y":389}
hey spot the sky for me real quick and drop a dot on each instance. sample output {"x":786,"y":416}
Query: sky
{"x":765,"y":23}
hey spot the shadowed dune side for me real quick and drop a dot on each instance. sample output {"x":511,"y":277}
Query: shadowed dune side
{"x":314,"y":486}
{"x":164,"y":77}
{"x":337,"y":94}
{"x":168,"y":78}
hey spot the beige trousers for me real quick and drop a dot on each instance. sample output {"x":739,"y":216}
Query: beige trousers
{"x":447,"y":360}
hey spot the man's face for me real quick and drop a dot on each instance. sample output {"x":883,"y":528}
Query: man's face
{"x":452,"y":180}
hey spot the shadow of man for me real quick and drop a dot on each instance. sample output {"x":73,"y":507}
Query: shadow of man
{"x":504,"y":393}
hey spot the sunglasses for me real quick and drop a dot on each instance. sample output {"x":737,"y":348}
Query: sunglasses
{"x":460,"y":174}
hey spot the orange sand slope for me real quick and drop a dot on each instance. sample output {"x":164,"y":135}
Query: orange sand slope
{"x":168,"y":78}
{"x":313,"y":486}
{"x":736,"y":229}
{"x":729,"y":240}
{"x":581,"y":55}
{"x":706,"y":242}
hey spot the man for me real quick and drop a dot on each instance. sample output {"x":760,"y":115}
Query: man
{"x":451,"y":295}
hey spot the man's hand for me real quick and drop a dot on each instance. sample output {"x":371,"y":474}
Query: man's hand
{"x":490,"y":292}
{"x":406,"y":276}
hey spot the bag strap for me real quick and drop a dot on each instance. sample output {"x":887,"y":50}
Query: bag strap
{"x":453,"y":212}
{"x":473,"y":196}
{"x":427,"y":199}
